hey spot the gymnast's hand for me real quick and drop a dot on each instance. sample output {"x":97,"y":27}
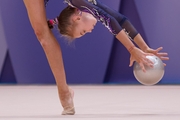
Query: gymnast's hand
{"x":140,"y":57}
{"x":161,"y":55}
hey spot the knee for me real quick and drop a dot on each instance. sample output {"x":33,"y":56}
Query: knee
{"x":41,"y":35}
{"x":39,"y":32}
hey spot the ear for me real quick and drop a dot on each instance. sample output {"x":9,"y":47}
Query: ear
{"x":76,"y":17}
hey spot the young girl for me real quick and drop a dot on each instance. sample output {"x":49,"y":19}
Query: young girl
{"x":75,"y":21}
{"x":80,"y":17}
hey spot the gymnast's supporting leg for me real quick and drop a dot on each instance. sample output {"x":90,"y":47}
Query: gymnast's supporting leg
{"x":37,"y":17}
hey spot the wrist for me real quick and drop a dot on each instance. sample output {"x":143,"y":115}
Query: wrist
{"x":141,"y":43}
{"x":130,"y":49}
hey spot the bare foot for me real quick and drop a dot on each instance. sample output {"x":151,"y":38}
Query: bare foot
{"x":67,"y":102}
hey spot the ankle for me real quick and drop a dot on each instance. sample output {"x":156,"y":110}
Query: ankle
{"x":63,"y":89}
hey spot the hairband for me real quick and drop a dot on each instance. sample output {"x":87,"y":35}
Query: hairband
{"x":52,"y":22}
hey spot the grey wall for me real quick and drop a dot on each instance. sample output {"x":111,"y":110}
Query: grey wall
{"x":95,"y":58}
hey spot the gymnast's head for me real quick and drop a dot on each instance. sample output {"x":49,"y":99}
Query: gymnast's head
{"x":73,"y":23}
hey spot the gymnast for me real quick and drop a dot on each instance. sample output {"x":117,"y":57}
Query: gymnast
{"x":77,"y":19}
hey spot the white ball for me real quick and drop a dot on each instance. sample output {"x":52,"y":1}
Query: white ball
{"x":152,"y":75}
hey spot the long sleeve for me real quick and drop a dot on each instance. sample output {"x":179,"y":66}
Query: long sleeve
{"x":122,"y":20}
{"x":119,"y":17}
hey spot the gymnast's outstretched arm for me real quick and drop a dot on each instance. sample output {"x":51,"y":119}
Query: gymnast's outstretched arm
{"x":130,"y":30}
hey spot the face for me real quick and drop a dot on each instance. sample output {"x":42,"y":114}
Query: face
{"x":85,"y":23}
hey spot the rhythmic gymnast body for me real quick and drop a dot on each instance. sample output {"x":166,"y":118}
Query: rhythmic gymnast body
{"x":77,"y":19}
